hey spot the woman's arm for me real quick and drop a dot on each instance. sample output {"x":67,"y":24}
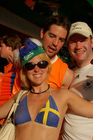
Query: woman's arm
{"x":5,"y":108}
{"x":79,"y":106}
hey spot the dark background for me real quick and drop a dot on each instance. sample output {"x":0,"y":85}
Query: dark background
{"x":40,"y":9}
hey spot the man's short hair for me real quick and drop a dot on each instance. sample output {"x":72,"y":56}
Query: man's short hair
{"x":58,"y":20}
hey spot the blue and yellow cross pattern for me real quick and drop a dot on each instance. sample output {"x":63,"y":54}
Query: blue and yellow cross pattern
{"x":49,"y":114}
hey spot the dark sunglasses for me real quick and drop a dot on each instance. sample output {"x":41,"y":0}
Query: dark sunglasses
{"x":31,"y":65}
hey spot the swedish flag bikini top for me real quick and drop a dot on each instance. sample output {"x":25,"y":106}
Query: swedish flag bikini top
{"x":48,"y":115}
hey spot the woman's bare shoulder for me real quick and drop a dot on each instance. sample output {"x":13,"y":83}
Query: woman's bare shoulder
{"x":62,"y":92}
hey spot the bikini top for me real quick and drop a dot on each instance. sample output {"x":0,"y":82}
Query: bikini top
{"x":48,"y":115}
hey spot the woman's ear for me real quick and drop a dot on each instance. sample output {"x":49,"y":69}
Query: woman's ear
{"x":42,"y":33}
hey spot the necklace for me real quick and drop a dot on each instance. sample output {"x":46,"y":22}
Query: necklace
{"x":41,"y":91}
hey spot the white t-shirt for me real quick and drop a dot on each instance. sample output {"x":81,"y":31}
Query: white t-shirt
{"x":78,"y":127}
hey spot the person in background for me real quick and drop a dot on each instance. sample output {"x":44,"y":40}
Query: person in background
{"x":53,"y":35}
{"x":41,"y":110}
{"x":80,"y":44}
{"x":9,"y":81}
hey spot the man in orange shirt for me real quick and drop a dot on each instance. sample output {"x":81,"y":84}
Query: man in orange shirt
{"x":9,"y":81}
{"x":53,"y":34}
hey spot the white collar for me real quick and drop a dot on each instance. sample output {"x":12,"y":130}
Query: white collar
{"x":54,"y":59}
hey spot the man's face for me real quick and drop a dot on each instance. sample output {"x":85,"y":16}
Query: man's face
{"x":53,"y":39}
{"x":3,"y":50}
{"x":80,"y":48}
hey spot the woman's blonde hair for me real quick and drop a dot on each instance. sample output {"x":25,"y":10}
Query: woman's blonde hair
{"x":24,"y":80}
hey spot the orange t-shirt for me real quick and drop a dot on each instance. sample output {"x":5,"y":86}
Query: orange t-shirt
{"x":57,"y":74}
{"x":9,"y":84}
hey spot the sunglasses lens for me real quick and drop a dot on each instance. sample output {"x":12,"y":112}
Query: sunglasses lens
{"x":42,"y":64}
{"x":30,"y":66}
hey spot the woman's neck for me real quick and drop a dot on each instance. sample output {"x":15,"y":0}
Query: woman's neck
{"x":39,"y":89}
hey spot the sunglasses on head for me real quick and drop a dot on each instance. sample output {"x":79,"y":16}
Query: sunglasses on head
{"x":31,"y":65}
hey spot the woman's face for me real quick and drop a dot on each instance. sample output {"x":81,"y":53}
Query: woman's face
{"x":37,"y":75}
